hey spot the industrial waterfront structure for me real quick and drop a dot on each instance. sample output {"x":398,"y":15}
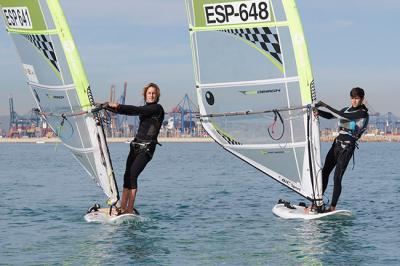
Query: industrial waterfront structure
{"x":180,"y":121}
{"x":28,"y":125}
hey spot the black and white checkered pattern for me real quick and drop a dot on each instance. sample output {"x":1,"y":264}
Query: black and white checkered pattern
{"x":262,"y":37}
{"x":45,"y":46}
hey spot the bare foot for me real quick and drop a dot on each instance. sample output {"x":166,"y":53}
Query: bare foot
{"x":331,"y":209}
{"x":119,"y":211}
{"x":309,"y":209}
{"x":123,"y":211}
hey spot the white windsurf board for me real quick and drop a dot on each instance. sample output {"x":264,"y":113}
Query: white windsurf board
{"x":300,"y":212}
{"x":102,"y":216}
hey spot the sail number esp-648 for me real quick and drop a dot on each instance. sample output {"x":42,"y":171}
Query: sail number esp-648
{"x":237,"y":12}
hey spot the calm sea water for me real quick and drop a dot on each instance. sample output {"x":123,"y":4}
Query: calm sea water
{"x":205,"y":207}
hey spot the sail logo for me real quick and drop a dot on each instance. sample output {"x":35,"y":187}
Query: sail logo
{"x":17,"y":17}
{"x":58,"y":97}
{"x":264,"y":152}
{"x":255,"y":92}
{"x":210,"y":98}
{"x":237,"y":12}
{"x":289,"y":183}
{"x":30,"y":73}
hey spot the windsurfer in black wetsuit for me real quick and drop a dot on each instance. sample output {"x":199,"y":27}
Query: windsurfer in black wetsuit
{"x":151,"y":116}
{"x":352,"y":123}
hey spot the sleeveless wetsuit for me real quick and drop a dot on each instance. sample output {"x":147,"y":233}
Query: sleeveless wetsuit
{"x":352,"y":123}
{"x":143,"y":146}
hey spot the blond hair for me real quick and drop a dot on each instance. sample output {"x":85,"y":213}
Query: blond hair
{"x":151,"y":84}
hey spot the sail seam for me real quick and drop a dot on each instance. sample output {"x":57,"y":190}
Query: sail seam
{"x":268,"y":146}
{"x":249,"y":83}
{"x":239,"y":26}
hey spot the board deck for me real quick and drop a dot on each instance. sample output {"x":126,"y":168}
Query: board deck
{"x":102,"y":216}
{"x":299,"y":212}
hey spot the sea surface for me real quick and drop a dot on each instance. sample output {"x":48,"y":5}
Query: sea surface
{"x":203,"y":207}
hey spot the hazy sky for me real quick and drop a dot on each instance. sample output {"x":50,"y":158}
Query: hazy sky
{"x":351,"y":43}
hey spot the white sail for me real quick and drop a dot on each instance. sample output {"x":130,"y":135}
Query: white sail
{"x":255,"y":87}
{"x":59,"y":85}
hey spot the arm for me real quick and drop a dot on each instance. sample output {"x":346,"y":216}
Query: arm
{"x":137,"y":110}
{"x":325,"y":115}
{"x":360,"y":113}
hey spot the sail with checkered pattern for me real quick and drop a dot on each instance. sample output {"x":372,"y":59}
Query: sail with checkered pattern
{"x":264,"y":37}
{"x":255,"y":87}
{"x":59,"y":84}
{"x":45,"y":46}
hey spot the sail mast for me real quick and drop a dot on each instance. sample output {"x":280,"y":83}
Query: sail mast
{"x":308,"y":93}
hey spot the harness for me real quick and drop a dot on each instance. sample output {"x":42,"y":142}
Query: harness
{"x":353,"y":128}
{"x":345,"y":143}
{"x":141,"y":147}
{"x":146,"y":147}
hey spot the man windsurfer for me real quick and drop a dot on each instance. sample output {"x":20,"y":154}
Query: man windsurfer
{"x":352,"y":124}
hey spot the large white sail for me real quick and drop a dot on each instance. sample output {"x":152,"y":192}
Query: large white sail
{"x":255,"y":87}
{"x":59,"y":84}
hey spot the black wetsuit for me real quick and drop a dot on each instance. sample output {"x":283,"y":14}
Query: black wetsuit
{"x":143,"y":146}
{"x":352,"y":123}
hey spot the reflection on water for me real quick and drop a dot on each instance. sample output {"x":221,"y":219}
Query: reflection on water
{"x":122,"y":244}
{"x":319,"y":241}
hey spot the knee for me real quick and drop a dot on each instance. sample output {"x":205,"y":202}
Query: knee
{"x":326,"y":172}
{"x":338,"y":183}
{"x":130,"y":182}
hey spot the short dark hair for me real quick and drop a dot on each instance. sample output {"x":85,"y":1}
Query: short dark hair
{"x":357,"y":92}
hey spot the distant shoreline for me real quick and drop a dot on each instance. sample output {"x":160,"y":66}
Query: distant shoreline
{"x":367,"y":138}
{"x":109,"y":140}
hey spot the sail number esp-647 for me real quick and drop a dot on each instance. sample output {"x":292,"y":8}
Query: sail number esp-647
{"x":237,"y":12}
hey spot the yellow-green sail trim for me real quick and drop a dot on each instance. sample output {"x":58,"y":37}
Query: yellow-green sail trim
{"x":300,"y":51}
{"x":71,"y":53}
